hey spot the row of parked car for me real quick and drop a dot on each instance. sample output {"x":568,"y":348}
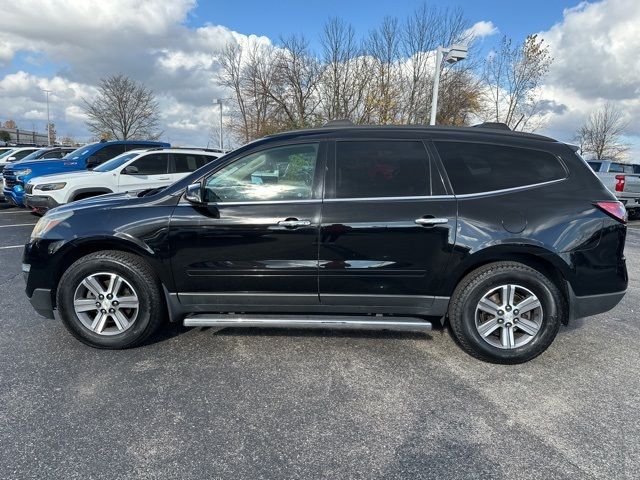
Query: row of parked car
{"x":44,"y":178}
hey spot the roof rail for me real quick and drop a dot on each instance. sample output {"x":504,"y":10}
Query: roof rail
{"x":493,"y":125}
{"x":200,"y":149}
{"x":344,"y":122}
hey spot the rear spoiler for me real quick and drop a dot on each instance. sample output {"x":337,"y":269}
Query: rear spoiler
{"x":573,"y":147}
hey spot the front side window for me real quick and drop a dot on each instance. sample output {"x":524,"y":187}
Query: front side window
{"x":280,"y":173}
{"x":152,"y":164}
{"x":23,"y":153}
{"x":479,"y":167}
{"x":374,"y":169}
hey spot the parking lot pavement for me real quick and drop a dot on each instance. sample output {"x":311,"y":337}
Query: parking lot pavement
{"x":299,"y":404}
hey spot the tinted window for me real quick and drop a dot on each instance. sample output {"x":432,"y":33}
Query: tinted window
{"x":381,"y":169}
{"x":23,"y":153}
{"x":628,"y":169}
{"x":478,"y":167}
{"x":595,"y":166}
{"x":616,"y":168}
{"x":140,"y":146}
{"x":636,"y":169}
{"x":152,"y":164}
{"x":187,"y":162}
{"x":53,"y":154}
{"x":281,"y":173}
{"x":106,"y":153}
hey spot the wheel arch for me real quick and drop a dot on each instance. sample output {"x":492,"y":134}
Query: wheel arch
{"x":78,"y":249}
{"x":538,"y":258}
{"x":73,"y":196}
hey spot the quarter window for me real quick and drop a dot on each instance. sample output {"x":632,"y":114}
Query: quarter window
{"x":281,"y":173}
{"x":479,"y":167}
{"x":387,"y":168}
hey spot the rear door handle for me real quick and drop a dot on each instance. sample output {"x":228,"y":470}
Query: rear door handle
{"x":427,"y":222}
{"x":294,"y":223}
{"x":165,"y":178}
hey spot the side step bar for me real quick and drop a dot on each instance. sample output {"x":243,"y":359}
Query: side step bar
{"x":346,"y":322}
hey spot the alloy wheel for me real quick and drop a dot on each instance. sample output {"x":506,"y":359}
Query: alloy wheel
{"x":106,"y":303}
{"x":508,"y":316}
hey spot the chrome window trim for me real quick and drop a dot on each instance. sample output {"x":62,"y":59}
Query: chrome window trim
{"x":512,"y":189}
{"x":255,"y":202}
{"x":383,"y":199}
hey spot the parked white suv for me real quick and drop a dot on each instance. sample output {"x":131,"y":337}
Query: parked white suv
{"x":131,"y":171}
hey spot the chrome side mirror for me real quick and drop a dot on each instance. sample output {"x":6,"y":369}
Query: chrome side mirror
{"x":194,"y":193}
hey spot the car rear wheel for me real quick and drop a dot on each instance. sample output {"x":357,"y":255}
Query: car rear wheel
{"x":110,"y":299}
{"x":506,"y":312}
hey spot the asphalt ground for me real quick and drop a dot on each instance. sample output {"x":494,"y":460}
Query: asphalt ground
{"x":312,"y":404}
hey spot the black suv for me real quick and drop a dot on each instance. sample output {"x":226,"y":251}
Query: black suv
{"x":503,"y":235}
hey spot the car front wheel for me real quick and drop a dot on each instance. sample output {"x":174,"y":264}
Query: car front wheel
{"x":110,"y":299}
{"x":506,"y":312}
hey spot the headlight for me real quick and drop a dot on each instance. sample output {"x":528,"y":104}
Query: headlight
{"x":47,"y":187}
{"x":21,"y":173}
{"x":46,"y":223}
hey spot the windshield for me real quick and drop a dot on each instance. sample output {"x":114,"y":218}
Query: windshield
{"x":116,"y":162}
{"x":34,"y":155}
{"x":6,"y":154}
{"x":78,"y":152}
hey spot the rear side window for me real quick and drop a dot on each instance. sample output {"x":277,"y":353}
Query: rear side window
{"x":384,"y":168}
{"x":595,"y":166}
{"x":152,"y":164}
{"x":186,"y":162}
{"x":616,"y":168}
{"x":479,"y":167}
{"x":636,"y":169}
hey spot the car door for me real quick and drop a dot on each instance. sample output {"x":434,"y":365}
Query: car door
{"x":147,"y":171}
{"x":254,"y":240}
{"x":387,"y":230}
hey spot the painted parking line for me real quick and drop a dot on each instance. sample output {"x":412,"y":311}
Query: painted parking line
{"x":18,"y":225}
{"x":13,"y":211}
{"x":12,"y":246}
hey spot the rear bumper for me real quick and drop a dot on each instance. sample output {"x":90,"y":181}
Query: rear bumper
{"x":589,"y":305}
{"x":40,"y":202}
{"x":41,"y":302}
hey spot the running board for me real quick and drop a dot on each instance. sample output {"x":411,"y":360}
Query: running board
{"x":345,"y":322}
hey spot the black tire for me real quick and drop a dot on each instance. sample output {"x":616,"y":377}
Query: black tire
{"x":470,"y":290}
{"x":151,"y":312}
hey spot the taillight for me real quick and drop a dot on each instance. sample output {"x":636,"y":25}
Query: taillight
{"x":613,"y":209}
{"x":620,"y":179}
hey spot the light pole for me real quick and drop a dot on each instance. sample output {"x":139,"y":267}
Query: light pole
{"x":451,"y":54}
{"x":219,"y":102}
{"x":48,"y":120}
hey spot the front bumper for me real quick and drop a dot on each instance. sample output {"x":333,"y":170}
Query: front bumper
{"x":41,"y":302}
{"x":40,"y":202}
{"x":13,"y":197}
{"x":589,"y":305}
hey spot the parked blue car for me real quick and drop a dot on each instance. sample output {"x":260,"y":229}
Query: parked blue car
{"x":90,"y":156}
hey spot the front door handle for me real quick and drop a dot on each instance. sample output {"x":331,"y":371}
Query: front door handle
{"x":430,"y":221}
{"x":294,"y":223}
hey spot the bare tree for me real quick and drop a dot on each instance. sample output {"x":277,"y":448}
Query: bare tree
{"x":600,"y":136}
{"x":342,"y":86}
{"x":123,"y":109}
{"x":513,"y":76}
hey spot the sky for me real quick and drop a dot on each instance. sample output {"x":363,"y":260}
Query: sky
{"x":66,"y":46}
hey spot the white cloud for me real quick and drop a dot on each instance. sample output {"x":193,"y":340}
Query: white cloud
{"x":480,"y":30}
{"x":89,"y":39}
{"x":595,"y":49}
